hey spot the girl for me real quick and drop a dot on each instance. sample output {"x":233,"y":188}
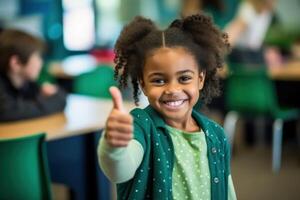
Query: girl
{"x":168,"y":150}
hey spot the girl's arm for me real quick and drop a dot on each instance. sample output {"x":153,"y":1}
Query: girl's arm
{"x":119,"y":154}
{"x":120,"y":163}
{"x":231,"y":190}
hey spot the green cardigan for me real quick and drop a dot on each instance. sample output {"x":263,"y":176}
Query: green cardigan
{"x":157,"y":164}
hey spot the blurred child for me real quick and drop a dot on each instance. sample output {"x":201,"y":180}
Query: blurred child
{"x":248,"y":29}
{"x":168,"y":150}
{"x":222,"y":11}
{"x":20,"y":64}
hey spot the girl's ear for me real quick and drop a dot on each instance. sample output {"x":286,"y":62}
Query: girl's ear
{"x":201,"y":79}
{"x":142,"y":84}
{"x":14,"y":64}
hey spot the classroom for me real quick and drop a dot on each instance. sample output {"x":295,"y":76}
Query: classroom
{"x":161,"y":99}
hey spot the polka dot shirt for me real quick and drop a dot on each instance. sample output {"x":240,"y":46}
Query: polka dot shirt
{"x":191,"y":175}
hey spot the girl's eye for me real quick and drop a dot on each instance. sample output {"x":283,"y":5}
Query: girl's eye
{"x":158,"y":81}
{"x":184,"y":79}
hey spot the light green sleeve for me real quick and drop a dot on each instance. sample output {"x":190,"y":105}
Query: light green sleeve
{"x":119,"y":164}
{"x":231,"y":190}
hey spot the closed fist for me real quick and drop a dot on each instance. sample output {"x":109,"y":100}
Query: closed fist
{"x":119,"y":125}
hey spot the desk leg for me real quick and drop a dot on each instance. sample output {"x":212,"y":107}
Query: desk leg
{"x":102,"y":185}
{"x":73,"y":162}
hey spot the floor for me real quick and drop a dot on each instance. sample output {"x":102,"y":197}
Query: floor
{"x":252,"y":170}
{"x":254,"y":179}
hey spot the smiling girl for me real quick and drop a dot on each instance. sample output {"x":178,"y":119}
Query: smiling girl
{"x":168,"y":150}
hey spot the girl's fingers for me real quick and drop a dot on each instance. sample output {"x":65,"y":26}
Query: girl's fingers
{"x":116,"y":139}
{"x":124,"y":128}
{"x":120,"y":117}
{"x":114,"y":135}
{"x":117,"y":99}
{"x":119,"y":127}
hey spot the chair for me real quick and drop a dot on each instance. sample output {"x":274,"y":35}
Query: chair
{"x":24,"y":170}
{"x":250,"y":93}
{"x":95,"y":83}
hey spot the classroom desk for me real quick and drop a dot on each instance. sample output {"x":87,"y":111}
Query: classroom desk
{"x":286,"y":79}
{"x":289,"y":71}
{"x":82,"y":115}
{"x":72,"y":138}
{"x":287,"y":84}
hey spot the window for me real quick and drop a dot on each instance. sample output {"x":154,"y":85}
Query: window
{"x":78,"y":24}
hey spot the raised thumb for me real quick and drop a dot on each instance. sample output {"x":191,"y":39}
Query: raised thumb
{"x":117,"y":98}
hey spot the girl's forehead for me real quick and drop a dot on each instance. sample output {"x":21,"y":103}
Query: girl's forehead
{"x":170,"y":59}
{"x":165,"y":53}
{"x":161,"y":49}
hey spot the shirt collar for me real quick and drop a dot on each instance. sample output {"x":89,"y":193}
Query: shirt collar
{"x":155,"y":116}
{"x":200,"y":119}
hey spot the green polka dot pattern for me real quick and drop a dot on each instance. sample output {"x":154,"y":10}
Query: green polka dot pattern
{"x":191,"y":175}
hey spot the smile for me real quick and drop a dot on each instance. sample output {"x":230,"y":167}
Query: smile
{"x":173,"y":104}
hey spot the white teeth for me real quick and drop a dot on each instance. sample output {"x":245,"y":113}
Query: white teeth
{"x":174,"y":103}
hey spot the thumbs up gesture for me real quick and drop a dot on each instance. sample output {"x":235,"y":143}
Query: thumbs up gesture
{"x":119,"y":125}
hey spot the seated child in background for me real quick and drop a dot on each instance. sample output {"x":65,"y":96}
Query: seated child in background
{"x":20,"y":64}
{"x":168,"y":150}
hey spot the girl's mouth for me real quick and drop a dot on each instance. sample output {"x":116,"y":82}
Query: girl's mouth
{"x":173,"y":104}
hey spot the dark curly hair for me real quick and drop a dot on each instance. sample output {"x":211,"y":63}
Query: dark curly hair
{"x":196,"y":33}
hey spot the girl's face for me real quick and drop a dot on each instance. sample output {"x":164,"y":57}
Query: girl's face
{"x":172,"y":81}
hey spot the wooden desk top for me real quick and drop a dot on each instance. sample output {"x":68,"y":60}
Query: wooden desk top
{"x":82,"y":115}
{"x":289,"y":71}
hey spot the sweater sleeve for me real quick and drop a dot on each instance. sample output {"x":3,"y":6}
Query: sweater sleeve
{"x":16,"y":107}
{"x":119,"y":164}
{"x":231,"y":190}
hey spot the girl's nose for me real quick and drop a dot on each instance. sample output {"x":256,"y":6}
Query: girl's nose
{"x":172,"y":88}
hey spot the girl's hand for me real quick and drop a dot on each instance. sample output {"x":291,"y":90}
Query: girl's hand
{"x":119,"y":125}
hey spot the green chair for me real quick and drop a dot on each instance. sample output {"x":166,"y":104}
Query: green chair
{"x":24,"y":170}
{"x":95,"y":83}
{"x":249,"y":92}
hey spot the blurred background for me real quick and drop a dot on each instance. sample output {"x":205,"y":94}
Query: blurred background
{"x":261,"y":118}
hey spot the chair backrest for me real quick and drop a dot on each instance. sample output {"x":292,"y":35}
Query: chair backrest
{"x":95,"y":83}
{"x":24,"y":172}
{"x":249,"y":90}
